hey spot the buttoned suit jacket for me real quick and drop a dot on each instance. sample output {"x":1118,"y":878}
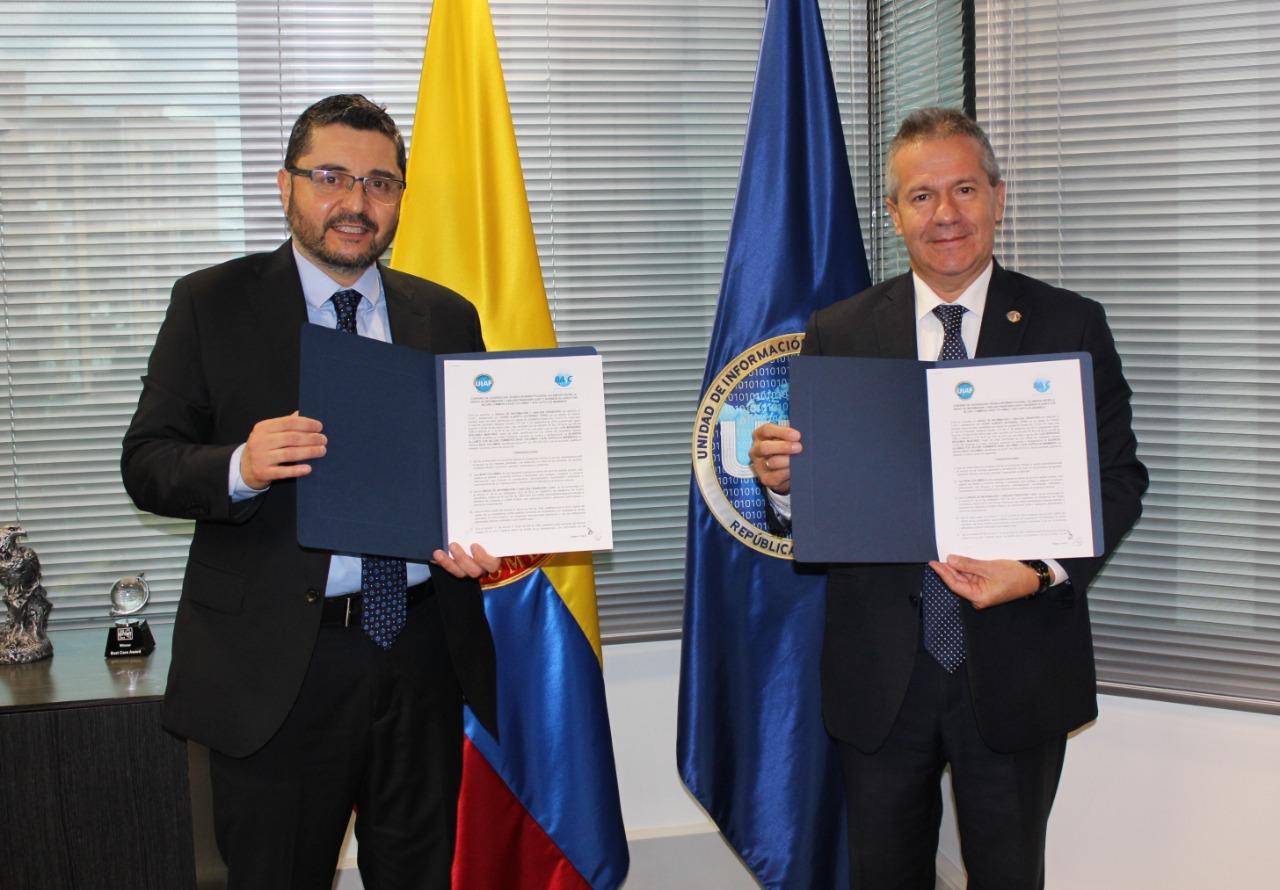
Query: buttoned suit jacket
{"x":1029,"y":662}
{"x":226,"y":357}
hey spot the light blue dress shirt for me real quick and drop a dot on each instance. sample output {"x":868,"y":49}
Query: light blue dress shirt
{"x":371,"y":321}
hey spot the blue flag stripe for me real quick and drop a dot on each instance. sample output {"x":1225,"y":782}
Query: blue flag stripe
{"x":556,"y":753}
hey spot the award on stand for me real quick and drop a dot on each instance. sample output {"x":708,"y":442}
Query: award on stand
{"x":126,"y":636}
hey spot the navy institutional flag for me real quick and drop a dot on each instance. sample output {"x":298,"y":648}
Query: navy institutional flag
{"x":751,"y":746}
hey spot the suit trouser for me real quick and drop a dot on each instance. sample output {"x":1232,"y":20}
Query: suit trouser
{"x":377,"y":731}
{"x":895,"y":799}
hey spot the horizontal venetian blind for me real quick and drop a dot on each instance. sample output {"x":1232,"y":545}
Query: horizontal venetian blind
{"x":119,"y":171}
{"x":1141,"y":143}
{"x":917,"y":62}
{"x":140,"y":142}
{"x":630,"y":119}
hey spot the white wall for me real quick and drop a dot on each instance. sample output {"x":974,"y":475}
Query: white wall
{"x":1169,"y":796}
{"x":1153,"y":795}
{"x":641,"y":682}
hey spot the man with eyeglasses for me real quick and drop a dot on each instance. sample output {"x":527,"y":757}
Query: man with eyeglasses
{"x":320,"y":682}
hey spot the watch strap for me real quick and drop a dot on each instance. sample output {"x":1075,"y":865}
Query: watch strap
{"x":1043,"y":572}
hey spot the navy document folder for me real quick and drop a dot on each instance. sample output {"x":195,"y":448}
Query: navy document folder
{"x":380,"y":487}
{"x":863,"y":488}
{"x":377,"y":489}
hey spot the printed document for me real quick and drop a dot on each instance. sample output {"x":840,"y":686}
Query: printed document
{"x":524,"y":452}
{"x":1010,"y":466}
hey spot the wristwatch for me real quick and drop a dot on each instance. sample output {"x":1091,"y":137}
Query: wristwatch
{"x":1041,"y":568}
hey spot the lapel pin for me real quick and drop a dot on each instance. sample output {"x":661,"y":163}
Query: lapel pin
{"x":1014,"y":316}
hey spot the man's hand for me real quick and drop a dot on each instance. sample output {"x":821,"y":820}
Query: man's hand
{"x":771,"y":450}
{"x":987,"y":582}
{"x":276,"y":449}
{"x":460,"y":564}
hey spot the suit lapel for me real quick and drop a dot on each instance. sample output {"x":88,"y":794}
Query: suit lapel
{"x":1000,"y":334}
{"x":408,"y":317}
{"x":282,"y":310}
{"x":896,"y":320}
{"x":1003,"y":319}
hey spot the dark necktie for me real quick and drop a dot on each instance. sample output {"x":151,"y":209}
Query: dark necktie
{"x":943,"y":629}
{"x":383,"y":579}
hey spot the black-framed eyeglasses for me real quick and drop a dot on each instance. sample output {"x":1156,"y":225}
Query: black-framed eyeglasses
{"x":334,"y":182}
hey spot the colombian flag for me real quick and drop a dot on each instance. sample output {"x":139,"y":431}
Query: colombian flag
{"x":540,"y":809}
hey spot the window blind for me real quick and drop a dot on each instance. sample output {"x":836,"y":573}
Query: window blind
{"x":917,"y":61}
{"x":1141,"y":143}
{"x":140,"y":142}
{"x":119,"y":171}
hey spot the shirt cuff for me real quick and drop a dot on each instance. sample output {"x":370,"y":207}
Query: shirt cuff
{"x":1060,"y":575}
{"x":236,"y":486}
{"x":781,"y":503}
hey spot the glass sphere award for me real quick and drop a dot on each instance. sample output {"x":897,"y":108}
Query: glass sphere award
{"x":126,"y":636}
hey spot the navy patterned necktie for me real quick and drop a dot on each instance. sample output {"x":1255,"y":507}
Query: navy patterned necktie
{"x":943,"y":629}
{"x":383,"y":580}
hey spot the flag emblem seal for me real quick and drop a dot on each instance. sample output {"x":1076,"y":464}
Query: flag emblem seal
{"x":512,"y":569}
{"x":752,"y":389}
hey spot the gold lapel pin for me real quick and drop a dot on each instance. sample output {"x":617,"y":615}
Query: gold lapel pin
{"x":1014,"y":316}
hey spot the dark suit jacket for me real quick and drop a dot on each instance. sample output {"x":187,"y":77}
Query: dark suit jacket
{"x":1030,"y":662}
{"x":225,"y":358}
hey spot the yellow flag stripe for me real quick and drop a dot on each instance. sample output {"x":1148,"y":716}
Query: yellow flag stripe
{"x":465,"y":218}
{"x":571,"y":575}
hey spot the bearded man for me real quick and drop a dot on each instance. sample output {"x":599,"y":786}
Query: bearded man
{"x":320,"y":682}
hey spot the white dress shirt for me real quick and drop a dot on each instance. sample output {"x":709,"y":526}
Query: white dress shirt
{"x":929,"y":334}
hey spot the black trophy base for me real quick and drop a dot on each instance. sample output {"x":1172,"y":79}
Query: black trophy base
{"x":129,"y":638}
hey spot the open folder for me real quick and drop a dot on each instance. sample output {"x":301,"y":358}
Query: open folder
{"x":381,"y":486}
{"x":906,"y":461}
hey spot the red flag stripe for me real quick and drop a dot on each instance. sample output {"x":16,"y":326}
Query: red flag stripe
{"x":487,"y":809}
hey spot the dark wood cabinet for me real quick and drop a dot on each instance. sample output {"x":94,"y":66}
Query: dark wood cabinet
{"x":93,"y":792}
